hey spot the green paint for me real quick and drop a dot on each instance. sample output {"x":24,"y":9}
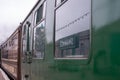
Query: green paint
{"x":104,"y":57}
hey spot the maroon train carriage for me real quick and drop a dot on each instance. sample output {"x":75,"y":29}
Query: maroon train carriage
{"x":10,"y":57}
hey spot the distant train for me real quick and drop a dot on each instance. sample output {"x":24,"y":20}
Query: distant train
{"x":65,"y":40}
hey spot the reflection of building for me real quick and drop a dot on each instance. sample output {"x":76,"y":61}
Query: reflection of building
{"x":76,"y":45}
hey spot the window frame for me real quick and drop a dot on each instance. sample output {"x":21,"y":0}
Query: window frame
{"x":43,"y":19}
{"x":44,"y":3}
{"x":34,"y":40}
{"x":90,"y":35}
{"x":39,"y":13}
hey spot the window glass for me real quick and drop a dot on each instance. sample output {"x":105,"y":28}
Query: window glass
{"x":72,"y":29}
{"x":39,"y":40}
{"x":24,"y":40}
{"x":40,"y":13}
{"x":24,"y":31}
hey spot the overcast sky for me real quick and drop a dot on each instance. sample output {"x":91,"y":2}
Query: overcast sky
{"x":12,"y":12}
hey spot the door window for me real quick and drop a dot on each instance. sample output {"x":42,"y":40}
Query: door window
{"x":39,"y":41}
{"x":40,"y":13}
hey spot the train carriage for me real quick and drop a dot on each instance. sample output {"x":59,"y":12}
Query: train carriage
{"x":70,"y":40}
{"x":10,"y":57}
{"x":73,"y":40}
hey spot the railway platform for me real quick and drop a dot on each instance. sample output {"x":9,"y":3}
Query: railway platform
{"x":3,"y":76}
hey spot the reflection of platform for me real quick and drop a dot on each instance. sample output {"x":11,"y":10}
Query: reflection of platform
{"x":3,"y":76}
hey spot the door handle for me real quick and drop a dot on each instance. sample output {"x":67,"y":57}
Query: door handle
{"x":28,"y":57}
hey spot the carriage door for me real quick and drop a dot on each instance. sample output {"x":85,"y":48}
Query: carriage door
{"x":26,"y":54}
{"x":38,"y":51}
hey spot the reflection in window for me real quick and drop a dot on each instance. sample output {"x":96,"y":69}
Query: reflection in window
{"x":40,"y":13}
{"x":24,"y":30}
{"x":72,"y":30}
{"x":76,"y":45}
{"x":24,"y":39}
{"x":39,"y":40}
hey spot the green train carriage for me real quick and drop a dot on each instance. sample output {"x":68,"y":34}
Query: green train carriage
{"x":77,"y":40}
{"x":71,"y":40}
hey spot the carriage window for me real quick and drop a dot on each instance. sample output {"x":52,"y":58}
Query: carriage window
{"x":40,"y":13}
{"x":39,"y":41}
{"x":24,"y":39}
{"x":72,"y":30}
{"x":24,"y":31}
